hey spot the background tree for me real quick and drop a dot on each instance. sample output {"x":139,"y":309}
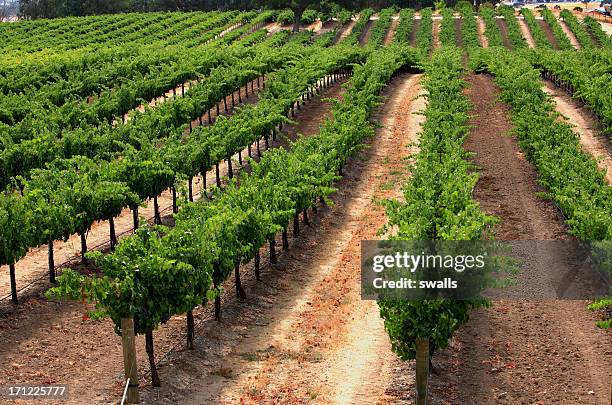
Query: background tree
{"x":299,"y":6}
{"x":32,"y":9}
{"x":8,"y":9}
{"x":60,"y":8}
{"x":3,"y":10}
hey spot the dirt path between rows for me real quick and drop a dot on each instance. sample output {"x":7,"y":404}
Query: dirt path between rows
{"x":503,"y":29}
{"x":481,"y":32}
{"x":526,"y":33}
{"x":48,"y":342}
{"x":606,"y":26}
{"x":273,"y":28}
{"x":570,"y":34}
{"x":549,"y":34}
{"x":416,"y":23}
{"x":435,"y":26}
{"x":521,"y":352}
{"x":345,"y":31}
{"x":304,"y":335}
{"x":367,"y":33}
{"x":458,"y":33}
{"x":391,"y":32}
{"x":504,"y":165}
{"x":586,"y":126}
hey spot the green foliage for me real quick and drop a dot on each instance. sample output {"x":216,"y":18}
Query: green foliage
{"x":46,"y":37}
{"x":404,"y":28}
{"x":146,"y":278}
{"x":577,"y":28}
{"x":285,"y":17}
{"x":433,"y":319}
{"x":438,"y":205}
{"x":209,"y":145}
{"x":603,"y":304}
{"x":588,"y":72}
{"x":310,"y":16}
{"x":359,"y":28}
{"x":70,"y":194}
{"x":593,"y":26}
{"x":66,"y":131}
{"x":381,"y":27}
{"x":424,"y":37}
{"x":463,"y":5}
{"x":343,"y":16}
{"x":469,"y":29}
{"x":16,"y":226}
{"x":447,"y":28}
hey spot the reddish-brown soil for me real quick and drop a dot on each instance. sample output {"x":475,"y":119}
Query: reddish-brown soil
{"x":309,"y":117}
{"x":508,"y":182}
{"x":435,"y":26}
{"x":517,"y":352}
{"x":570,"y":34}
{"x":44,"y":341}
{"x":458,"y":35}
{"x":366,"y":34}
{"x":330,"y":25}
{"x":549,"y":34}
{"x":481,"y":32}
{"x":391,"y":32}
{"x":459,"y":39}
{"x":503,"y":28}
{"x":345,"y":31}
{"x":416,"y":23}
{"x":273,"y":28}
{"x":526,"y":33}
{"x":523,"y":352}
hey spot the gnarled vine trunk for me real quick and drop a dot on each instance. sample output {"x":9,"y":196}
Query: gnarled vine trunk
{"x":51,"y":261}
{"x":190,"y":329}
{"x":149,"y":346}
{"x":13,"y":283}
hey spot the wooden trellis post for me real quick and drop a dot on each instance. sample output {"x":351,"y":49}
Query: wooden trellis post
{"x":128,"y":341}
